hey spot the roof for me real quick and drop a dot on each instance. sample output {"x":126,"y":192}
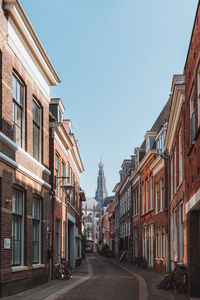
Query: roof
{"x":19,"y":17}
{"x":107,"y":200}
{"x":90,"y":203}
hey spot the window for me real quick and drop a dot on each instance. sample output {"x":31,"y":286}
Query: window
{"x":171,"y":171}
{"x":192,"y":120}
{"x":58,"y":239}
{"x":147,"y":144}
{"x":18,"y":110}
{"x":57,"y":175}
{"x":147,"y":195}
{"x":156,"y":197}
{"x":162,"y":240}
{"x":143,"y":198}
{"x":63,"y":181}
{"x":172,"y":236}
{"x":157,"y":242}
{"x":175,"y":236}
{"x":175,"y":171}
{"x":160,"y":143}
{"x":180,"y":157}
{"x":136,"y":241}
{"x":17,"y":227}
{"x":36,"y":130}
{"x":161,"y":194}
{"x":151,"y":192}
{"x":181,"y":242}
{"x":145,"y":243}
{"x":64,"y":240}
{"x":36,"y":214}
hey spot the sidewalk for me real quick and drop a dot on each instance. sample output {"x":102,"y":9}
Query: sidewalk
{"x":55,"y":288}
{"x":152,"y":279}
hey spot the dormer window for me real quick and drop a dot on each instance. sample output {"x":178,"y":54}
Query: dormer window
{"x":57,"y":109}
{"x":160,"y":143}
{"x":137,"y":159}
{"x":147,"y":144}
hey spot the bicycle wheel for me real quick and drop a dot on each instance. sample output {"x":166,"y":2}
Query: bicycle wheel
{"x":179,"y":283}
{"x":57,"y":272}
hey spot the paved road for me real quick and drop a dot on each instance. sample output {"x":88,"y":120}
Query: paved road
{"x":108,"y":282}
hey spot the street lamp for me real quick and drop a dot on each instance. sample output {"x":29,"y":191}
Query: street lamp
{"x":68,"y":187}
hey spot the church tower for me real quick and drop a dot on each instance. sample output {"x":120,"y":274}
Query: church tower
{"x":101,"y":191}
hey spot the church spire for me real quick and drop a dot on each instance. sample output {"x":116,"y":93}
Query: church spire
{"x":101,"y":191}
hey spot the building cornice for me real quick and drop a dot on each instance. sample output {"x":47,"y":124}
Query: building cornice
{"x":178,"y":97}
{"x":15,"y":147}
{"x":21,"y":21}
{"x":23,"y":170}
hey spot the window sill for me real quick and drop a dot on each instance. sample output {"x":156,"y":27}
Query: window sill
{"x":37,"y":266}
{"x":19,"y":268}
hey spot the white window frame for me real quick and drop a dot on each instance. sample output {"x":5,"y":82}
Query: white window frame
{"x":175,"y":171}
{"x":180,"y":157}
{"x":22,"y":107}
{"x":40,"y":129}
{"x":147,"y":194}
{"x":175,"y":235}
{"x":192,"y":119}
{"x":22,"y":228}
{"x":181,"y":235}
{"x":143,"y":198}
{"x":151,"y":192}
{"x":161,"y":194}
{"x":157,"y":243}
{"x":39,"y":223}
{"x":156,"y":198}
{"x":162,"y":242}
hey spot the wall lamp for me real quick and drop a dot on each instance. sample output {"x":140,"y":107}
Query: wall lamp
{"x":66,"y":187}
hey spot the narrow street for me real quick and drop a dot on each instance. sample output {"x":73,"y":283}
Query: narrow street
{"x":108,"y":281}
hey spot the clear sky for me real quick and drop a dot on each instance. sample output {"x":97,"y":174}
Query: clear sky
{"x":115,"y":59}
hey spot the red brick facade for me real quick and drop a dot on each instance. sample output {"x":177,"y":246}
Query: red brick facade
{"x":24,"y":179}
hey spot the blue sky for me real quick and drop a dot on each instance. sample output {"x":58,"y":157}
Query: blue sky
{"x":115,"y":59}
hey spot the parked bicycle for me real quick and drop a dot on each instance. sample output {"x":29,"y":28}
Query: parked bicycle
{"x":177,"y":279}
{"x":63,"y":269}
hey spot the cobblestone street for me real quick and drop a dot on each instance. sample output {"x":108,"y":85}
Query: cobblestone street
{"x":108,"y":281}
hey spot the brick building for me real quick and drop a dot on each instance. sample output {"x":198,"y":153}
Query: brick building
{"x":192,"y":157}
{"x":66,"y":166}
{"x":175,"y":148}
{"x":25,"y":216}
{"x":125,"y":207}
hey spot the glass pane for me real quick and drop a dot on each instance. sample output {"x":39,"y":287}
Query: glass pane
{"x":18,"y":92}
{"x":16,"y":241}
{"x":36,"y":113}
{"x":38,"y":209}
{"x":21,"y":95}
{"x":36,"y":151}
{"x":18,"y":116}
{"x":36,"y":231}
{"x":14,"y":81}
{"x":36,"y":134}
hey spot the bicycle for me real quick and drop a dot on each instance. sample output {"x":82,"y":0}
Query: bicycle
{"x":62,"y":269}
{"x":68,"y":269}
{"x":180,"y":279}
{"x":177,"y":279}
